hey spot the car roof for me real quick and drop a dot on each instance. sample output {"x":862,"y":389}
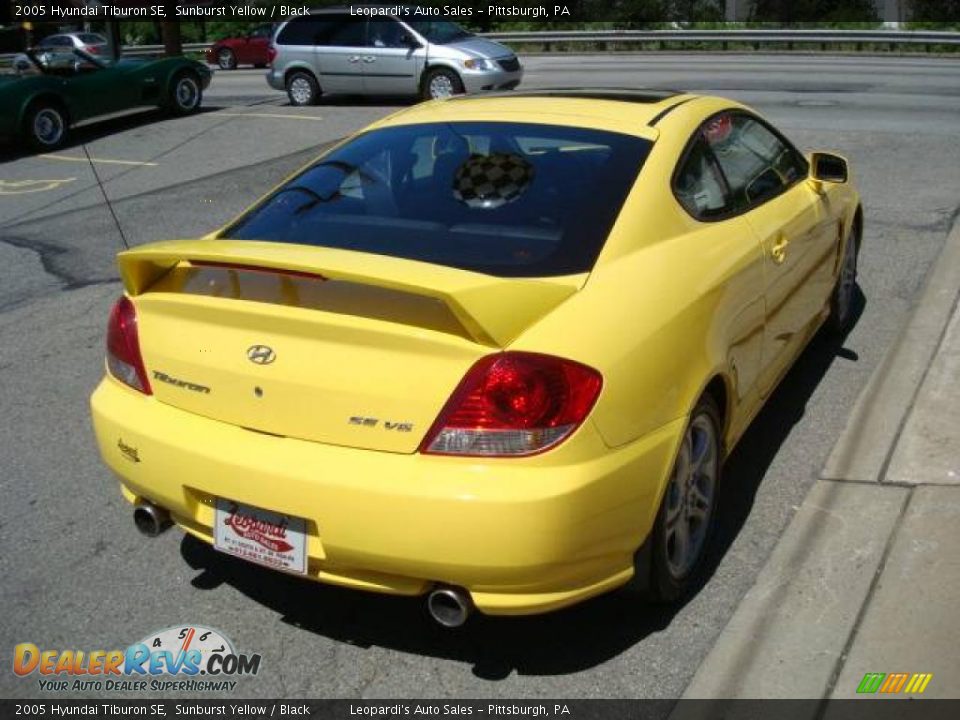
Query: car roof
{"x":627,"y":110}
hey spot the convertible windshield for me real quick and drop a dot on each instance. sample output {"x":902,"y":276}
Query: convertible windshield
{"x":440,"y":32}
{"x":509,"y":199}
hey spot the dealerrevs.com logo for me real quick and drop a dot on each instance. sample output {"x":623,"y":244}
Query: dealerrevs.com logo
{"x":187,"y":658}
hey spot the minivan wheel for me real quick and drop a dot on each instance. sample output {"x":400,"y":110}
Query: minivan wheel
{"x":441,"y":83}
{"x":302,"y":89}
{"x":226,"y":59}
{"x":685,"y":523}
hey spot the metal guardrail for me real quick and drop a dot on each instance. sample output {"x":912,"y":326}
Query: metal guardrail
{"x":779,"y":37}
{"x":881,"y":37}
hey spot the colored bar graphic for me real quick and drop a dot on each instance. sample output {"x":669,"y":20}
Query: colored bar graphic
{"x":893,"y":683}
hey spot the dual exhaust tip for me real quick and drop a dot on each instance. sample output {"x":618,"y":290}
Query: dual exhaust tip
{"x":448,"y":606}
{"x":150,"y":519}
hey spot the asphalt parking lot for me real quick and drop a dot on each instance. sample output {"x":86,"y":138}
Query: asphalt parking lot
{"x":78,"y":575}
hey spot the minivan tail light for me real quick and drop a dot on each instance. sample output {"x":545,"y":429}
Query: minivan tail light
{"x":514,"y":404}
{"x":271,"y":54}
{"x":123,"y":347}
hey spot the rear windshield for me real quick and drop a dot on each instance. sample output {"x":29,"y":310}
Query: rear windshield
{"x":91,"y":39}
{"x":508,"y":199}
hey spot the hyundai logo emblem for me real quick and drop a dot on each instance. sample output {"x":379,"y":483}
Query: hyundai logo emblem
{"x":261,"y":354}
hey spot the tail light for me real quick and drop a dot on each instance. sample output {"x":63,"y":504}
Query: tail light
{"x":123,"y":347}
{"x":514,"y":404}
{"x":92,"y":49}
{"x":271,"y":54}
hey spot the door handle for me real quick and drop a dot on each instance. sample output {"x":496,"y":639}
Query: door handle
{"x":779,"y":249}
{"x":369,"y":59}
{"x":353,"y":58}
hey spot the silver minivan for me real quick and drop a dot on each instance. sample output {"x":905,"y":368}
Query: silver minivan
{"x":336,"y":51}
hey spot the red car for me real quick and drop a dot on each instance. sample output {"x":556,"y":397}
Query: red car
{"x":250,"y":49}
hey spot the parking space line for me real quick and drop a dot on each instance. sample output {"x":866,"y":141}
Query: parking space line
{"x":22,"y":187}
{"x":272,"y":115}
{"x":103,"y":161}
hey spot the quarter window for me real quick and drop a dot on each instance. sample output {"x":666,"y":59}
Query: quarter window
{"x":699,"y":184}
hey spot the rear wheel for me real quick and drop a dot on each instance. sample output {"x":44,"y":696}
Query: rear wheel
{"x":45,"y":126}
{"x":684,"y":526}
{"x":303,"y":89}
{"x":441,"y":83}
{"x":227,"y":59}
{"x":185,"y":94}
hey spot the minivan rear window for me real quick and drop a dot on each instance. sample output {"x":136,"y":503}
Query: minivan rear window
{"x":507,"y":199}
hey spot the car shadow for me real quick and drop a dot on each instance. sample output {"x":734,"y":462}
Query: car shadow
{"x":557,"y":643}
{"x":13,"y":149}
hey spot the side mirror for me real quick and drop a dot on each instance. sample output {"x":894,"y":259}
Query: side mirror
{"x":828,"y":168}
{"x":408,"y":40}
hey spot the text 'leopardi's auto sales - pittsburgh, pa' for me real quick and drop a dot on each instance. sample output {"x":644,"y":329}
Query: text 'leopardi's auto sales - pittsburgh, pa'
{"x":187,"y":658}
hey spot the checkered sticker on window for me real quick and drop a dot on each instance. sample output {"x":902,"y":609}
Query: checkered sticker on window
{"x":491,"y":181}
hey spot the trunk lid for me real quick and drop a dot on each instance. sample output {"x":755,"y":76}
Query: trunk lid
{"x":320,"y":344}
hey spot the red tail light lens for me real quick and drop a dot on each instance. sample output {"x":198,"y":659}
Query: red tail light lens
{"x":123,"y":347}
{"x":514,"y":404}
{"x":271,"y":54}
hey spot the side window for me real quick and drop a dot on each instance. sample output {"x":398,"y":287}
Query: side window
{"x":756,"y":163}
{"x":385,"y":34}
{"x":341,"y":31}
{"x":699,"y":185}
{"x":301,"y":31}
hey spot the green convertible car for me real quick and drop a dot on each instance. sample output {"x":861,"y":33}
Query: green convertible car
{"x":67,"y":88}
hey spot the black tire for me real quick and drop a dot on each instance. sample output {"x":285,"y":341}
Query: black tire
{"x":845,"y":291}
{"x":259,"y":66}
{"x":185,"y":94}
{"x":46,"y":126}
{"x":670,"y":581}
{"x":227,"y":59}
{"x":302,"y":88}
{"x":440,"y":83}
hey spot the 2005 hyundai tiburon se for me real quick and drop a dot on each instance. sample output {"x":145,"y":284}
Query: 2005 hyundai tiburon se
{"x":489,"y":350}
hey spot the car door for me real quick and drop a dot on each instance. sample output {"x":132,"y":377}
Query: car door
{"x":767,"y":180}
{"x":339,"y":51}
{"x":724,"y":240}
{"x":393,"y":59}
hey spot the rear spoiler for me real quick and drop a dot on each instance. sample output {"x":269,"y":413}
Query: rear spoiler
{"x":493,"y":310}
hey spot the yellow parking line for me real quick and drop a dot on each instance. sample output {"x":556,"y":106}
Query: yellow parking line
{"x":67,"y":158}
{"x":22,"y":187}
{"x":272,"y":115}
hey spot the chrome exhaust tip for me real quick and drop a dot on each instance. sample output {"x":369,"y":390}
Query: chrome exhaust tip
{"x":150,"y":519}
{"x":449,"y":606}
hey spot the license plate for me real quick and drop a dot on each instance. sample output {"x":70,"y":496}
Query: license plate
{"x":261,"y":536}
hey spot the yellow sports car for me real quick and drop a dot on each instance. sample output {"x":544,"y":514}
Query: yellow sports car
{"x":488,"y":350}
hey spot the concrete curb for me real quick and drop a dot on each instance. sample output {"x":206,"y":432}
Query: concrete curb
{"x":793,"y":631}
{"x":866,"y":445}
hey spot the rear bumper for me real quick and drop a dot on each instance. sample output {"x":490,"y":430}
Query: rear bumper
{"x":275,"y":79}
{"x":521,"y":535}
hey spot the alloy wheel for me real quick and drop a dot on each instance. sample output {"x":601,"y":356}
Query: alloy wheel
{"x":690,"y":497}
{"x":440,"y":87}
{"x":300,"y":90}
